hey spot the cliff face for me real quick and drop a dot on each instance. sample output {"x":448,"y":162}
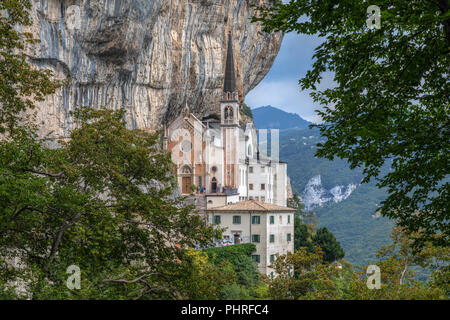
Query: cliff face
{"x":148,"y":56}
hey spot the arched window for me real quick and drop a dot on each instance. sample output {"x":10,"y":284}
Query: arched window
{"x":228,"y":113}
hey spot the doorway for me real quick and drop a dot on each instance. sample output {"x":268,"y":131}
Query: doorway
{"x":186,"y":185}
{"x":237,"y":238}
{"x":214,"y":185}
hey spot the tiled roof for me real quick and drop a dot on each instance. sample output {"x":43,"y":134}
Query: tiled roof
{"x":251,"y":205}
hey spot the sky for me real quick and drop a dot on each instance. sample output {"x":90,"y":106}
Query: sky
{"x":280,"y":87}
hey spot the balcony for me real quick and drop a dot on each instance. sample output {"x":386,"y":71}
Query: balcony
{"x":225,"y":191}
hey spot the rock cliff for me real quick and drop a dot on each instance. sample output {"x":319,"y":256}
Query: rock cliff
{"x":315,"y":195}
{"x":150,"y":56}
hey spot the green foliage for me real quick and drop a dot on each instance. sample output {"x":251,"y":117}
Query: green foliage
{"x":306,"y":235}
{"x":103,"y":201}
{"x":356,"y":225}
{"x":305,"y":275}
{"x":390,"y":101}
{"x":308,"y":238}
{"x":302,"y":235}
{"x":20,"y":84}
{"x":246,"y":111}
{"x":396,"y":263}
{"x":239,"y":258}
{"x":327,"y":242}
{"x":354,"y":221}
{"x":298,"y":148}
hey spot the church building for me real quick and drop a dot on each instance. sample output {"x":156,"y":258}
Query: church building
{"x":219,"y":154}
{"x":220,"y":161}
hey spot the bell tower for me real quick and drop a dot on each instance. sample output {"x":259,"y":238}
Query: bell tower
{"x":229,"y":105}
{"x":229,"y":121}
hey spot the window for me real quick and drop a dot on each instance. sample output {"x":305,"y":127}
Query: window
{"x":288,"y":237}
{"x":263,"y":169}
{"x":256,"y":258}
{"x":199,"y":181}
{"x":228,"y":112}
{"x":281,"y":219}
{"x":271,"y":275}
{"x":263,"y":186}
{"x":250,"y":169}
{"x":272,"y":258}
{"x":250,"y":198}
{"x":289,"y":218}
{"x":256,"y":238}
{"x":272,"y":219}
{"x":263,"y":199}
{"x":272,"y":238}
{"x":256,"y":220}
{"x":236,"y":219}
{"x":257,"y":198}
{"x":250,"y":186}
{"x":217,"y":219}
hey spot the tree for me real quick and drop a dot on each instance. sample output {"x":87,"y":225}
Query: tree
{"x":246,"y":111}
{"x":309,"y":218}
{"x":102,"y":201}
{"x":303,"y":275}
{"x":20,"y":84}
{"x":397,"y":276}
{"x":237,"y":258}
{"x":390,"y":104}
{"x":302,"y":235}
{"x":306,"y":235}
{"x":327,"y":242}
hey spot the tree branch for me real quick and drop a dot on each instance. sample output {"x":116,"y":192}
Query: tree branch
{"x":59,"y":235}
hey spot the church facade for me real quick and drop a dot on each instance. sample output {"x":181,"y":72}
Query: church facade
{"x":219,"y":155}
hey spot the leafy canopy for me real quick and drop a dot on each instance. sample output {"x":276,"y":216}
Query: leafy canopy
{"x":390,"y":103}
{"x":103,"y":201}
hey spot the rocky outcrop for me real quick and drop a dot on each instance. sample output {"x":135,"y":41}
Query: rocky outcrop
{"x":147,"y":56}
{"x":315,"y":195}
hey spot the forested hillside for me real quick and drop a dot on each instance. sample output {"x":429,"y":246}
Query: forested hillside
{"x":353,"y":220}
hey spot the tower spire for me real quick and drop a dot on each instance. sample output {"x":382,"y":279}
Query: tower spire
{"x":230,"y":78}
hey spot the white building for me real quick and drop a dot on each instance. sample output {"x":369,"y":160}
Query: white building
{"x":268,"y":226}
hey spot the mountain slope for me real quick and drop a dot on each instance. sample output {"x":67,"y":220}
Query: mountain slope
{"x":334,"y":192}
{"x":269,"y":117}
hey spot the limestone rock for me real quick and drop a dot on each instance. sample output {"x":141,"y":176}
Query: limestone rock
{"x":149,"y":56}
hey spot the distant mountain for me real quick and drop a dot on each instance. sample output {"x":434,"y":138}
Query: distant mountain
{"x":333,"y":191}
{"x":269,"y":117}
{"x":329,"y":188}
